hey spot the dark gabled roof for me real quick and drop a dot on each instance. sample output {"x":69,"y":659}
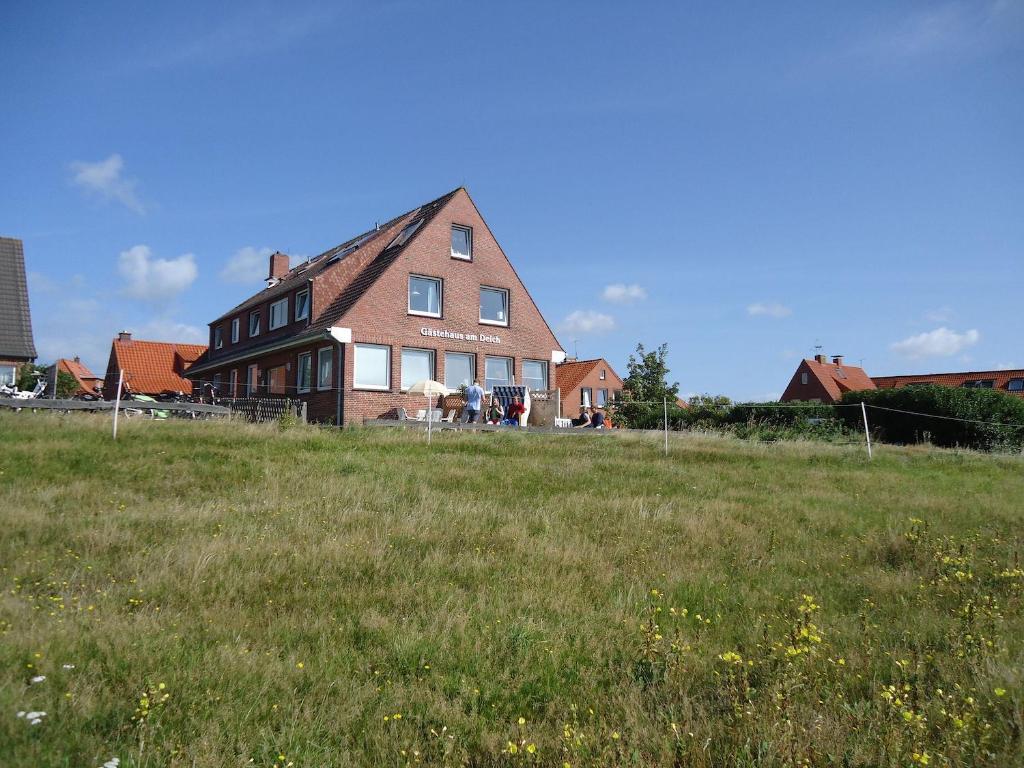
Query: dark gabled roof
{"x":380,"y":237}
{"x":420,"y":218}
{"x":15,"y":320}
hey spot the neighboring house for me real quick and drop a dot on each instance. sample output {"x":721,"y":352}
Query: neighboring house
{"x":1010,"y":381}
{"x":586,"y":383}
{"x":427,"y":295}
{"x":16,"y":344}
{"x":822,"y":381}
{"x":150,"y":367}
{"x":88,"y":382}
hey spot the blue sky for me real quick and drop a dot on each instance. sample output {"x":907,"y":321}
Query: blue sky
{"x":742,"y":181}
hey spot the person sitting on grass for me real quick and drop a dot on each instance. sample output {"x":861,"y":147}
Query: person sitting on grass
{"x":515,"y":410}
{"x":495,"y":413}
{"x":584,"y":418}
{"x":596,"y":418}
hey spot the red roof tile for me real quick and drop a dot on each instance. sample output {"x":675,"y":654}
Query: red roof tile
{"x":87,"y":380}
{"x":150,"y":367}
{"x":835,"y":379}
{"x":568,"y":376}
{"x":1000,"y":379}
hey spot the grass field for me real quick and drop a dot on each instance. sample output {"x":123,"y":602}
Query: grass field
{"x":229,"y":595}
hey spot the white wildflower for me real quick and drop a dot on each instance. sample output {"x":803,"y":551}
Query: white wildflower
{"x":37,"y":679}
{"x":67,"y":666}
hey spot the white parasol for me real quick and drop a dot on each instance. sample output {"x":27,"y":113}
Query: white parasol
{"x":429,"y":389}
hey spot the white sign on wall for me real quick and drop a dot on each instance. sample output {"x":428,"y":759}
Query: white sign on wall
{"x":445,"y":334}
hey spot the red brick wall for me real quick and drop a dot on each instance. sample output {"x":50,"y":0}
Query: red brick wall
{"x":571,"y":399}
{"x":381,"y":316}
{"x":812,"y":390}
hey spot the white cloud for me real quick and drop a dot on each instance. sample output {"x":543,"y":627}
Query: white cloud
{"x":768,"y":309}
{"x":941,"y":342}
{"x":620,"y":293}
{"x":248,"y":265}
{"x":587,"y":321}
{"x":165,"y":329}
{"x":104,"y":179}
{"x":155,"y":279}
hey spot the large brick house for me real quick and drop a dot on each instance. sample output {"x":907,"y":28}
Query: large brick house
{"x":1010,"y":381}
{"x":16,"y":344}
{"x":428,"y":295}
{"x":586,"y":383}
{"x":822,"y":381}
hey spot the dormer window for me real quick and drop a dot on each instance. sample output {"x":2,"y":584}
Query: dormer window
{"x":405,"y":234}
{"x":462,"y":243}
{"x":302,"y":305}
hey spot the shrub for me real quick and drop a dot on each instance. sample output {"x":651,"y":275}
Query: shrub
{"x":946,"y":404}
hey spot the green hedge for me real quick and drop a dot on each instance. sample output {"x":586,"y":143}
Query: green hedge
{"x":985,"y":405}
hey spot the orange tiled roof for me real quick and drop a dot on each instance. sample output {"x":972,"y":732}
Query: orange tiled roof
{"x":568,"y":376}
{"x":150,"y":367}
{"x":1000,"y":379}
{"x":837,"y":379}
{"x":87,"y":380}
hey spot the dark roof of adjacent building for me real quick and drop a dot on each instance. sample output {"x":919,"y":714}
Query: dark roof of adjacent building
{"x":380,"y":240}
{"x":15,"y":319}
{"x":359,"y":260}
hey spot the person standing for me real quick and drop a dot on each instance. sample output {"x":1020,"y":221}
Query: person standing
{"x":474,"y":401}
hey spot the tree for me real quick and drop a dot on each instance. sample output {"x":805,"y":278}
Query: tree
{"x":67,"y":385}
{"x":646,"y":387}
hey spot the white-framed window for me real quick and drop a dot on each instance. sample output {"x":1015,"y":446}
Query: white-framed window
{"x":372,"y":368}
{"x":252,"y":380}
{"x":254,"y":324}
{"x":803,"y":377}
{"x":304,"y":374}
{"x":218,"y":337}
{"x":278,"y":314}
{"x":604,"y":374}
{"x":462,"y":243}
{"x":417,"y":365}
{"x":324,"y":361}
{"x":535,"y":374}
{"x":586,"y":397}
{"x":301,"y":305}
{"x":8,"y":374}
{"x":424,"y":296}
{"x":233,"y":383}
{"x":493,"y":306}
{"x":235,"y":326}
{"x":602,"y":398}
{"x":459,"y":369}
{"x":497,"y":372}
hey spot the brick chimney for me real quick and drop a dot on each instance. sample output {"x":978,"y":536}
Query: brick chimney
{"x":837,"y":359}
{"x":124,"y":336}
{"x":280,"y":263}
{"x":823,"y":359}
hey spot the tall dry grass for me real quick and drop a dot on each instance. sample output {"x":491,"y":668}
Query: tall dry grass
{"x":241,"y":595}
